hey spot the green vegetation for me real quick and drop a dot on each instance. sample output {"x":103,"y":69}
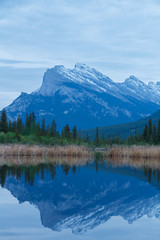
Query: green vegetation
{"x":33,"y":132}
{"x":149,"y":135}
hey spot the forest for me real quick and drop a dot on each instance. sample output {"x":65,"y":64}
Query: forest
{"x":31,"y":131}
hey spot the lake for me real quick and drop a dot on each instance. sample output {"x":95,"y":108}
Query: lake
{"x":96,"y":200}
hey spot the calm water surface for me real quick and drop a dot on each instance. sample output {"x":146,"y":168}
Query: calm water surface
{"x":95,"y":201}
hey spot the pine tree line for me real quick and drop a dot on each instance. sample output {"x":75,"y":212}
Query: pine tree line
{"x":150,"y":135}
{"x":37,"y":131}
{"x":32,"y":131}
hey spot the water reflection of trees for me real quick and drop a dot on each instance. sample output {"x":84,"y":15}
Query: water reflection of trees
{"x":29,"y":173}
{"x":39,"y":168}
{"x":31,"y":168}
{"x":32,"y":172}
{"x":150,"y":167}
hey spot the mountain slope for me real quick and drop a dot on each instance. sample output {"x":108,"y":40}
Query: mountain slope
{"x":124,"y":130}
{"x":85,"y":97}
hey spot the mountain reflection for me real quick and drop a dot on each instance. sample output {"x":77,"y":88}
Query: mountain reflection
{"x":83,"y":197}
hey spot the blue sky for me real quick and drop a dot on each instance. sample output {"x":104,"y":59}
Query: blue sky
{"x":118,"y":37}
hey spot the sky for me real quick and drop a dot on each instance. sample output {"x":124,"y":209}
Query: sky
{"x":117,"y":37}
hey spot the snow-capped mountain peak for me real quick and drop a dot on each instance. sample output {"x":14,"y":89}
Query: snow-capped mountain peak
{"x":85,"y":97}
{"x":82,"y":74}
{"x":95,"y":74}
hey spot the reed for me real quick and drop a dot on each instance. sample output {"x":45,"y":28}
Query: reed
{"x":138,"y":152}
{"x":43,"y":151}
{"x":19,"y":154}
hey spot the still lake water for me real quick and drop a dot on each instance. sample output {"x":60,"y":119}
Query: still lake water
{"x":95,"y":201}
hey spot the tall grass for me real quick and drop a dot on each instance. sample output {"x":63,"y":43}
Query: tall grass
{"x":43,"y":151}
{"x":35,"y":154}
{"x":145,"y":152}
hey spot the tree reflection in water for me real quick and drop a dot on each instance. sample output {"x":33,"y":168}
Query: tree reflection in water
{"x":31,"y":169}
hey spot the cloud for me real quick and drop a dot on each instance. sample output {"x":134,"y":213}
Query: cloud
{"x":118,"y":37}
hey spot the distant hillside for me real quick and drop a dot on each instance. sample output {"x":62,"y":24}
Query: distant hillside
{"x":124,"y":129}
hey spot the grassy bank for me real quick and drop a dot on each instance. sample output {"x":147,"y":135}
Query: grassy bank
{"x":43,"y":151}
{"x":137,"y":152}
{"x":38,"y":153}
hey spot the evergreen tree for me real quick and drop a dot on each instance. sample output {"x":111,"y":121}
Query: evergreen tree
{"x":96,"y":141}
{"x":33,"y":127}
{"x":19,"y":124}
{"x":57,"y":135}
{"x":14,"y":126}
{"x":30,"y":120}
{"x":145,"y":133}
{"x":113,"y":139}
{"x":53,"y":129}
{"x":27,"y":124}
{"x":103,"y":141}
{"x":117,"y":140}
{"x":3,"y":122}
{"x":38,"y":131}
{"x":18,"y":137}
{"x":62,"y":134}
{"x":136,"y":135}
{"x":47,"y":131}
{"x":79,"y":136}
{"x":10,"y":126}
{"x":67,"y":133}
{"x":33,"y":117}
{"x":155,"y":134}
{"x":88,"y":140}
{"x":150,"y":130}
{"x":109,"y":140}
{"x":43,"y":127}
{"x":74,"y":133}
{"x":132,"y":139}
{"x":158,"y":132}
{"x":129,"y":139}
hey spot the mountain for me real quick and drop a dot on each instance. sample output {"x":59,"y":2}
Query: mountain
{"x":85,"y":97}
{"x":124,"y":130}
{"x":88,"y":198}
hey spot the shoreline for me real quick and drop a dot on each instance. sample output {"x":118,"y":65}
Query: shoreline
{"x":75,"y":151}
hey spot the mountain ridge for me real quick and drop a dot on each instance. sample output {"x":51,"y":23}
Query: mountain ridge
{"x":85,"y":97}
